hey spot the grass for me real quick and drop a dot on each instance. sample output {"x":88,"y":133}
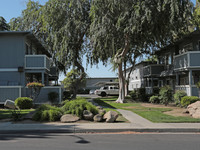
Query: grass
{"x":6,"y":113}
{"x":153,"y":114}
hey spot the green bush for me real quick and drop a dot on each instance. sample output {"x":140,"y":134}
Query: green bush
{"x":142,"y":95}
{"x":177,"y":97}
{"x":47,"y":113}
{"x":156,"y":90}
{"x":24,"y":102}
{"x":165,"y":95}
{"x":66,"y":95}
{"x":154,"y":99}
{"x":52,"y":96}
{"x":78,"y":106}
{"x":187,"y":100}
{"x":139,"y":95}
{"x":133,"y":95}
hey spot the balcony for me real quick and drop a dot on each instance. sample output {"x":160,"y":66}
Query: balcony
{"x":187,"y":60}
{"x":37,"y":62}
{"x":153,"y":70}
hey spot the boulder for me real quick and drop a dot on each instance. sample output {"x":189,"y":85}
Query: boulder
{"x":102,"y":112}
{"x":87,"y":115}
{"x":98,"y":118}
{"x":10,"y":104}
{"x":110,"y":116}
{"x":194,"y":109}
{"x":69,"y":118}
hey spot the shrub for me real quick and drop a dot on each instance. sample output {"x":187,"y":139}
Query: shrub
{"x":78,"y":106}
{"x":47,"y":113}
{"x":24,"y":102}
{"x":187,"y":100}
{"x":139,"y":95}
{"x":66,"y":95}
{"x":133,"y":95}
{"x":154,"y":99}
{"x":142,"y":95}
{"x":178,"y":95}
{"x":165,"y":95}
{"x":156,"y":90}
{"x":52,"y":96}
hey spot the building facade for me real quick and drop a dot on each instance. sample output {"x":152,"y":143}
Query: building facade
{"x":23,"y":59}
{"x":178,"y":66}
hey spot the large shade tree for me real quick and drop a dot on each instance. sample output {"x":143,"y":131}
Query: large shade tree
{"x":118,"y":26}
{"x":62,"y":26}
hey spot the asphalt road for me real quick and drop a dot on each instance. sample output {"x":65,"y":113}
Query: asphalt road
{"x":100,"y":142}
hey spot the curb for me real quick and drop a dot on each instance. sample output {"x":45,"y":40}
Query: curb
{"x":142,"y":130}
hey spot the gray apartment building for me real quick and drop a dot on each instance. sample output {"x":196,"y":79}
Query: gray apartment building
{"x":178,"y":66}
{"x":23,"y":59}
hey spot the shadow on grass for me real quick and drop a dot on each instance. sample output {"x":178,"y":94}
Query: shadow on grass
{"x":103,"y":104}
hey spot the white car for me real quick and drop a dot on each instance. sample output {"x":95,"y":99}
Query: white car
{"x":107,"y":90}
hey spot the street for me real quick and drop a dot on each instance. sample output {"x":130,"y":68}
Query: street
{"x":100,"y":142}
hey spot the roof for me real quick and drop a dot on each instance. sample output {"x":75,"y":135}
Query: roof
{"x":30,"y":36}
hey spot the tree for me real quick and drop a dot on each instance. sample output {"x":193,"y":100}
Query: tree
{"x":62,"y":26}
{"x":72,"y":81}
{"x":3,"y":25}
{"x":119,"y":26}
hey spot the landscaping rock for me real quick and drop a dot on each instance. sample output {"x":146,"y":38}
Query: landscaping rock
{"x":110,"y":116}
{"x":98,"y":118}
{"x":99,"y":107}
{"x":87,"y":115}
{"x":10,"y":104}
{"x":194,"y":109}
{"x":102,"y":112}
{"x":69,"y":118}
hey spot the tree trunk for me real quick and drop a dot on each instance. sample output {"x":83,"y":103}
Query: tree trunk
{"x":118,"y":60}
{"x":121,"y":85}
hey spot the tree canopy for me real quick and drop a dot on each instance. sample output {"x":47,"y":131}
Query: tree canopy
{"x":120,"y":26}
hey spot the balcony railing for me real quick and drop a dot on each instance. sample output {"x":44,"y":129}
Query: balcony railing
{"x":187,"y":60}
{"x":37,"y":62}
{"x":155,"y":69}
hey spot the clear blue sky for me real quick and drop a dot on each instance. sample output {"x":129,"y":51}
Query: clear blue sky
{"x":13,"y":8}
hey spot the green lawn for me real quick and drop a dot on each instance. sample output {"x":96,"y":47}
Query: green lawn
{"x":153,"y":114}
{"x":6,"y":113}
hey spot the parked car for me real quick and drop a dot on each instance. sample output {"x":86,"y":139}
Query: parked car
{"x":107,"y":90}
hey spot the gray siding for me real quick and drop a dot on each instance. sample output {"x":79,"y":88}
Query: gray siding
{"x":12,"y":51}
{"x":35,"y":62}
{"x":12,"y":78}
{"x":195,"y":91}
{"x":9,"y":93}
{"x":195,"y":59}
{"x":43,"y":96}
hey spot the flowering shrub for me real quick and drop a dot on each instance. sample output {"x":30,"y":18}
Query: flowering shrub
{"x":35,"y":89}
{"x":34,"y":85}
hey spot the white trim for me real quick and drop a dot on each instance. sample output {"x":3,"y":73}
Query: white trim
{"x":8,"y":69}
{"x":188,"y":55}
{"x":11,"y":86}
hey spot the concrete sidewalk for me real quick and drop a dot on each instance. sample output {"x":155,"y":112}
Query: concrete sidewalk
{"x":137,"y":124}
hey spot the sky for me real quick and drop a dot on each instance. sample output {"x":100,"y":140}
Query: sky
{"x":13,"y":8}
